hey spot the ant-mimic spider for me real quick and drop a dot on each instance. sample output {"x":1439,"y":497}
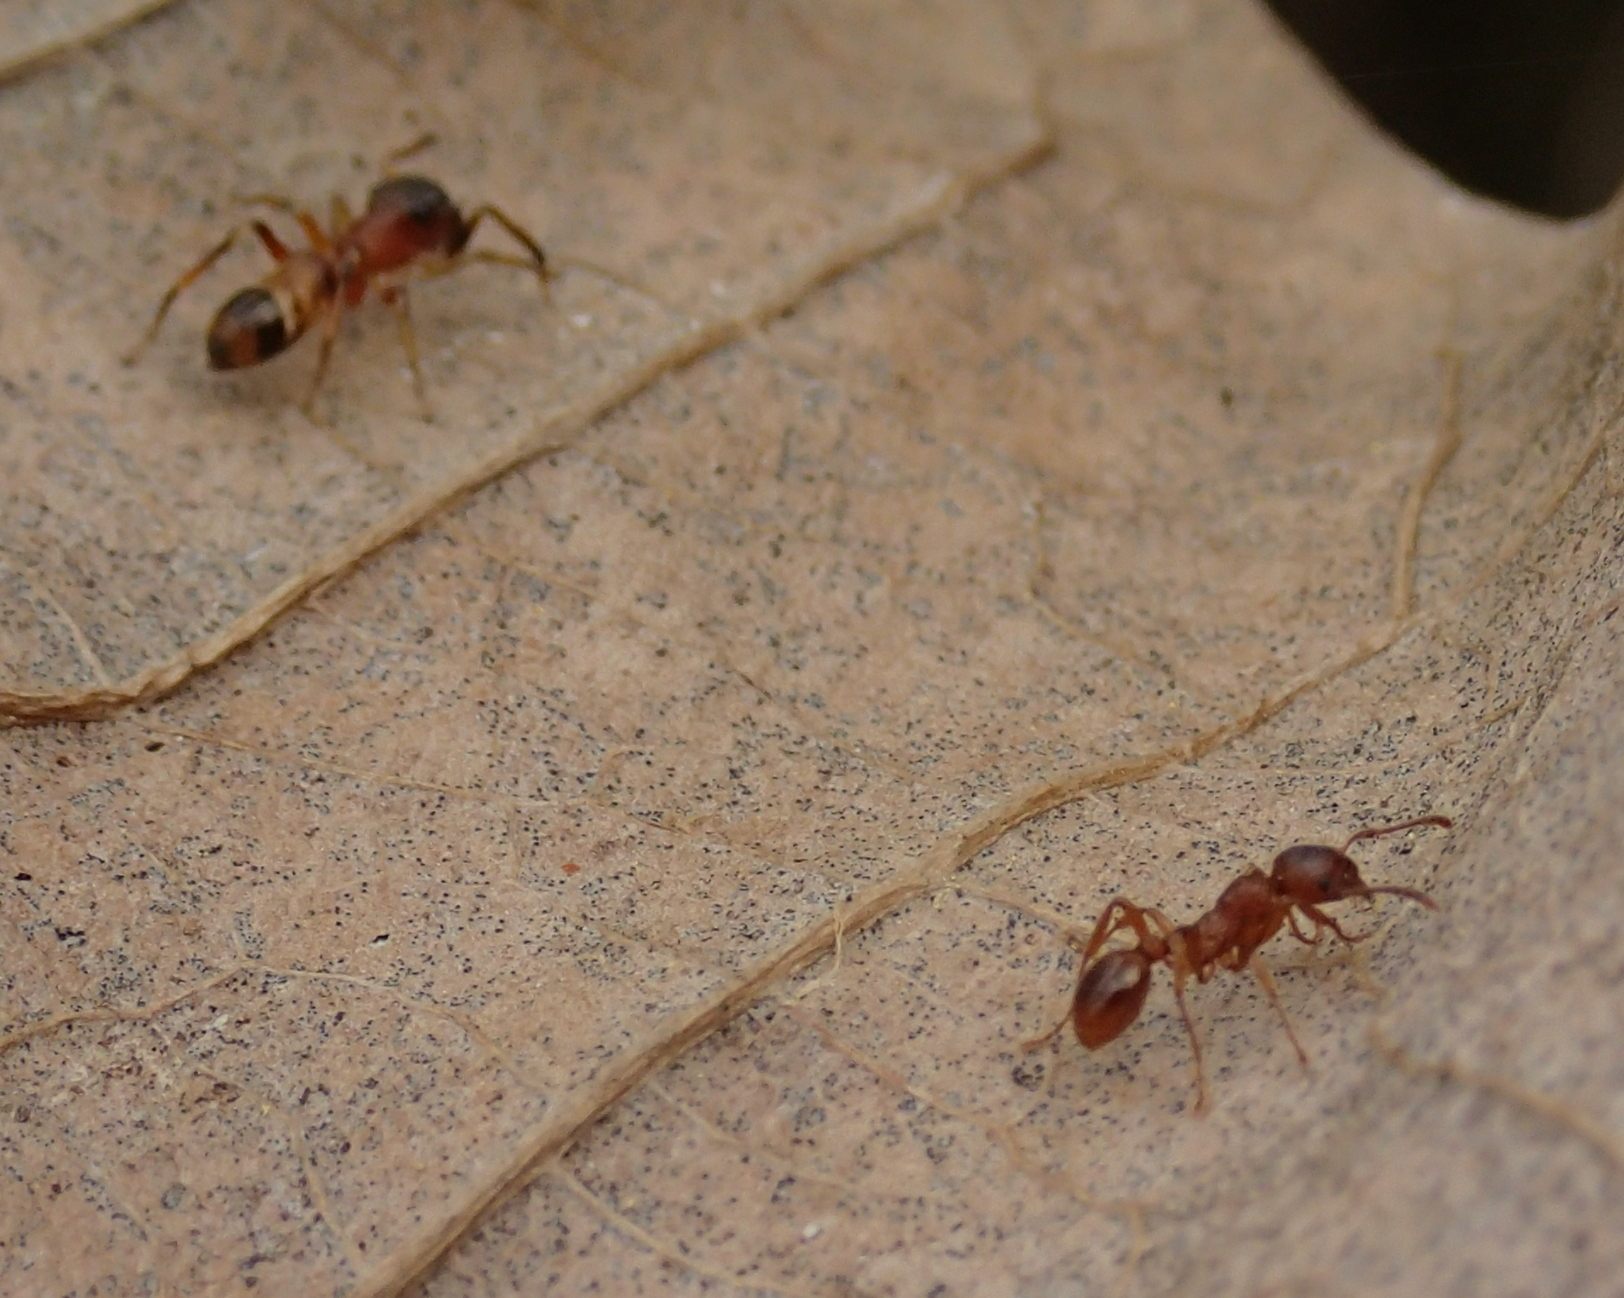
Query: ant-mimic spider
{"x":410,"y":230}
{"x":1252,"y":909}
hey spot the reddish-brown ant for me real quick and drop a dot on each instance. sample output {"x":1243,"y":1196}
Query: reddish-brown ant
{"x":1111,"y":991}
{"x":410,"y":230}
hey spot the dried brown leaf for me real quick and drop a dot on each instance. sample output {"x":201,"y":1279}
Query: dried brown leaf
{"x":727,"y":772}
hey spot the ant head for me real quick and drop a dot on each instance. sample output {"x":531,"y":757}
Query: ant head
{"x":1313,"y":875}
{"x":1109,"y":996}
{"x":422,"y":210}
{"x":248,"y":329}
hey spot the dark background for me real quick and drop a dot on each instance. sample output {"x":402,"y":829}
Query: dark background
{"x":1516,"y":99}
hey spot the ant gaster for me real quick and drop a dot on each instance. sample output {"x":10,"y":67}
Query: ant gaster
{"x":1111,"y":990}
{"x":410,"y":229}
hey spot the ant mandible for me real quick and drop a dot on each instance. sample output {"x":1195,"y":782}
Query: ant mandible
{"x":1251,"y":910}
{"x":410,"y":229}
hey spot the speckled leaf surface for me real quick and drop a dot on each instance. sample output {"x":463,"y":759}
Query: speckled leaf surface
{"x":157,"y":515}
{"x":640,"y":875}
{"x":32,"y":33}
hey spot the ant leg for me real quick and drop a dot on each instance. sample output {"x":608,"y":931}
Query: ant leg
{"x":1297,"y":932}
{"x":617,"y":277}
{"x":307,"y":222}
{"x":1164,"y":926}
{"x":1131,"y":916}
{"x":261,"y":231}
{"x":1038,"y":1042}
{"x":1265,"y":979}
{"x":1442,"y":822}
{"x":342,"y":218}
{"x":538,"y":259}
{"x":1195,"y":1044}
{"x":397,"y":298}
{"x":489,"y":259}
{"x":329,"y":332}
{"x":1320,"y":917}
{"x":1107,"y":924}
{"x":500,"y":259}
{"x":621,"y":279}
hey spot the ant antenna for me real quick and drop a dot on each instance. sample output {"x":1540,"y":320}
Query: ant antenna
{"x":1397,"y":891}
{"x":427,"y":140}
{"x":1442,"y":822}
